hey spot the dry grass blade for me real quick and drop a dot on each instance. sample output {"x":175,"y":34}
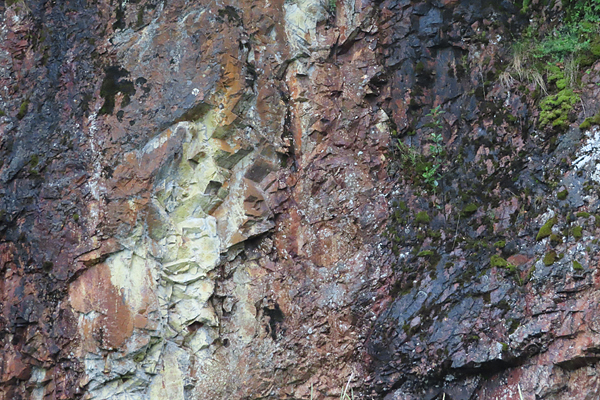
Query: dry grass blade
{"x":520,"y":393}
{"x":571,"y":70}
{"x":538,"y":79}
{"x":506,"y":79}
{"x":521,"y":68}
{"x":519,"y":60}
{"x":345,"y":395}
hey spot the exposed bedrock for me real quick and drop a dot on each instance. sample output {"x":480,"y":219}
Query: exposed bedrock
{"x":239,"y":200}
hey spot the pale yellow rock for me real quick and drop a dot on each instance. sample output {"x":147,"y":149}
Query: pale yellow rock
{"x":199,"y":291}
{"x":301,"y":18}
{"x":199,"y":227}
{"x":231,"y":215}
{"x":191,"y":274}
{"x":168,"y":385}
{"x":196,"y":212}
{"x":188,"y":311}
{"x":138,"y":340}
{"x":152,"y":357}
{"x":180,"y":265}
{"x":136,"y":277}
{"x":191,"y":206}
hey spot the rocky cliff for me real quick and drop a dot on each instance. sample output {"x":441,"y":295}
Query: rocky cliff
{"x":298,"y":199}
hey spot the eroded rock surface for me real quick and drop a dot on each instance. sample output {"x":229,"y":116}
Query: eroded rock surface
{"x":217,"y":200}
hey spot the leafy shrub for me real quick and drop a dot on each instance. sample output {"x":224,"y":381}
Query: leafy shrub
{"x":582,"y":10}
{"x":563,"y":42}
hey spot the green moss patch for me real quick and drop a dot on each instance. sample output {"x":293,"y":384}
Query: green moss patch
{"x":500,"y":244}
{"x":562,"y":195}
{"x":23,"y":110}
{"x":555,"y":109}
{"x":546,"y":229}
{"x":577,"y":266}
{"x":588,"y":122}
{"x":555,"y":239}
{"x":577,"y":232}
{"x":469,"y":210}
{"x":497,"y":261}
{"x":422,"y":218}
{"x":549,"y":258}
{"x":34,"y":160}
{"x":431,"y":255}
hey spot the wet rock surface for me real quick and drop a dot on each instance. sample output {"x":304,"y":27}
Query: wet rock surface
{"x":229,"y":201}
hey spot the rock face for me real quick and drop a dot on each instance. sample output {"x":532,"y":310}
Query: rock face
{"x":229,"y":200}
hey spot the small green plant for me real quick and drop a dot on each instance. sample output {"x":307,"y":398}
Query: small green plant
{"x":34,"y":160}
{"x":329,"y":6}
{"x":582,"y":10}
{"x":552,"y":60}
{"x":436,"y":148}
{"x":563,"y":42}
{"x":408,"y":156}
{"x":432,"y":174}
{"x":555,"y":108}
{"x":332,"y":6}
{"x":435,"y":114}
{"x":498,"y":262}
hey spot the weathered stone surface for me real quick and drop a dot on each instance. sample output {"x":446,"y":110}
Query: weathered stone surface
{"x":216,"y":200}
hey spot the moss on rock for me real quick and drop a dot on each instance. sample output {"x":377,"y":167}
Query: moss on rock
{"x":497,"y":261}
{"x":562,"y":195}
{"x":555,"y":108}
{"x":549,"y":258}
{"x":470,"y":209}
{"x":23,"y":109}
{"x":500,"y":244}
{"x":546,"y":229}
{"x":422,"y":217}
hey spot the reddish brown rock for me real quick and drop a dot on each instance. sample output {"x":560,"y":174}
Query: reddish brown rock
{"x":230,"y":201}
